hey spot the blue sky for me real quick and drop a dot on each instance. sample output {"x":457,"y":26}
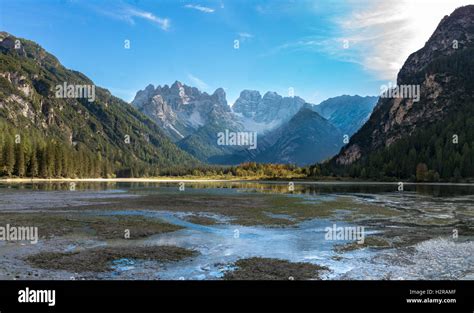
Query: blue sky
{"x":320,"y":49}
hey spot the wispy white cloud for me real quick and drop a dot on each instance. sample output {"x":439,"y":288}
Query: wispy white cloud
{"x":129,"y":14}
{"x":199,"y":8}
{"x":379,"y":35}
{"x":382,"y":34}
{"x":199,"y":83}
{"x":244,"y":36}
{"x":163,"y":23}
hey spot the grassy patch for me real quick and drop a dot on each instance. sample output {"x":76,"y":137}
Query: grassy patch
{"x":369,"y":242}
{"x":250,"y":209}
{"x":102,"y":227}
{"x":247,"y":209}
{"x":201,"y":220}
{"x":300,"y":209}
{"x":273,"y":269}
{"x":100,"y":259}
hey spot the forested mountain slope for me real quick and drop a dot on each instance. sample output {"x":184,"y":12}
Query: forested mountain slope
{"x":46,"y":131}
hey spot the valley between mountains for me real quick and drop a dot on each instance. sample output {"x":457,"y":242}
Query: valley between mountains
{"x":288,"y":129}
{"x":175,"y":130}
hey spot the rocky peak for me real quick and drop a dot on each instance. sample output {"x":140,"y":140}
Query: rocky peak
{"x":454,"y":33}
{"x":247,"y":102}
{"x":253,"y":95}
{"x":12,"y":44}
{"x":177,"y":85}
{"x":272,"y":108}
{"x":144,"y":96}
{"x":180,"y":109}
{"x":220,"y":97}
{"x":28,"y":102}
{"x":150,"y":88}
{"x":271,"y":96}
{"x":348,"y":113}
{"x":305,"y":138}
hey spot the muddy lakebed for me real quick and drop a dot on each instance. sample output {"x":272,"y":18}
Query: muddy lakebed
{"x":237,"y":230}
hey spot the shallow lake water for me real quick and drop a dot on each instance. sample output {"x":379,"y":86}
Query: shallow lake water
{"x":430,"y":228}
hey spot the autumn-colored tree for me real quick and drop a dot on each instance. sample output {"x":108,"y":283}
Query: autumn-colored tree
{"x":421,"y":171}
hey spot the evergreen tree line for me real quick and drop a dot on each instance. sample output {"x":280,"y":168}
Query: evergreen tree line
{"x":23,"y":157}
{"x":27,"y":154}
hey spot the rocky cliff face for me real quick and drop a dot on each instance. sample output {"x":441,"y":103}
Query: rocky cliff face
{"x":180,"y":110}
{"x":439,"y":71}
{"x":454,"y":33}
{"x":267,"y":112}
{"x":191,"y":118}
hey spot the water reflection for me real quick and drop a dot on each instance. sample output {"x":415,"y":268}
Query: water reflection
{"x":300,"y":187}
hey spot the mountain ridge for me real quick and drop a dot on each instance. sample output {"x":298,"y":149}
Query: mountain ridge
{"x":305,"y":138}
{"x":347,"y":113}
{"x":268,"y":116}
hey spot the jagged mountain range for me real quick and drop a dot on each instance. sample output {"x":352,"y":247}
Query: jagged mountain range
{"x":180,"y":110}
{"x":289,"y":129}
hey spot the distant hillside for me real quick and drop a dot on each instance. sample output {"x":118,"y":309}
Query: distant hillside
{"x":306,"y":138}
{"x":348,"y":113}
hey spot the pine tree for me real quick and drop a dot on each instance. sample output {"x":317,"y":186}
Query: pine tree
{"x":466,"y":162}
{"x":50,"y":154}
{"x":20,"y":160}
{"x":43,"y":162}
{"x":33,"y":164}
{"x":1,"y":154}
{"x":9,"y":157}
{"x":421,"y":172}
{"x":58,"y":160}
